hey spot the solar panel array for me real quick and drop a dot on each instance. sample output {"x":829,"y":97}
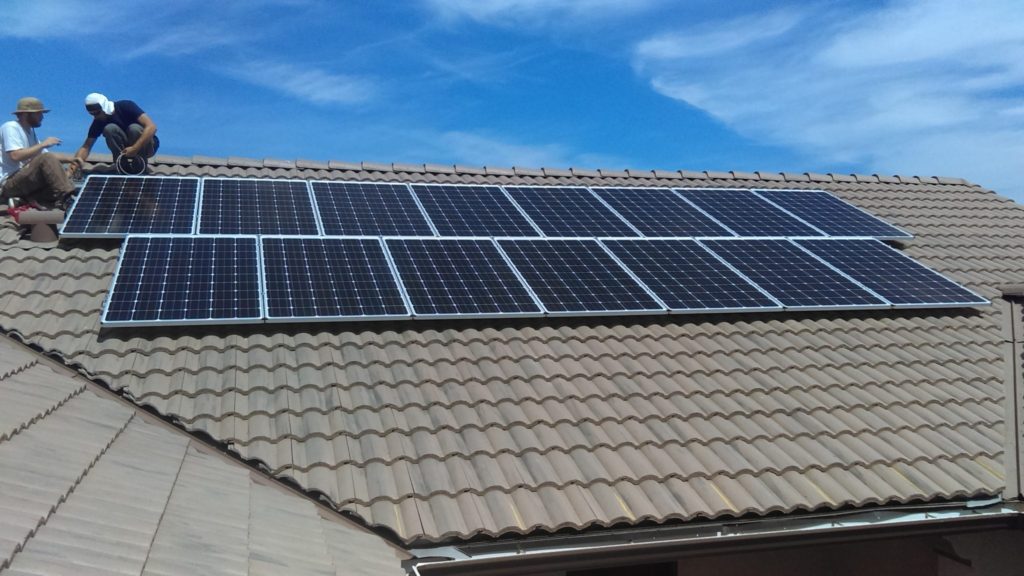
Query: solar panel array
{"x":115,"y":206}
{"x":220,"y":250}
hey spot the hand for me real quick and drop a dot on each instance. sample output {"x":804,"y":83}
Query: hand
{"x":50,"y":142}
{"x":130,"y":151}
{"x":78,"y":162}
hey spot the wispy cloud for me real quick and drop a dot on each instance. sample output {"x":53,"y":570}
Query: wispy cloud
{"x":931,"y":87}
{"x":310,"y":84}
{"x":510,"y":12}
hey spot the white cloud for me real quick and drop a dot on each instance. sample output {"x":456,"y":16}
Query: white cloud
{"x":534,"y":11}
{"x":479,"y":150}
{"x":304,"y":83}
{"x":931,"y":87}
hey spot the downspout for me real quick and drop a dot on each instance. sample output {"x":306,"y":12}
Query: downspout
{"x":1012,"y":313}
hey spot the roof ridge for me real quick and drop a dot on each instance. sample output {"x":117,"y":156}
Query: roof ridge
{"x":425,"y":168}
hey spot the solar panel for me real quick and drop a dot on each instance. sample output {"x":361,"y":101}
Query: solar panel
{"x":688,"y":278}
{"x":115,"y":206}
{"x":747,"y":214}
{"x":577,"y":277}
{"x":319,"y":279}
{"x":450,"y":278}
{"x":369,"y":209}
{"x":893,"y":275}
{"x":163,"y":280}
{"x":569,"y":212}
{"x":660,"y":212}
{"x":832,"y":215}
{"x":236,"y":206}
{"x":472,"y":211}
{"x":792,"y":276}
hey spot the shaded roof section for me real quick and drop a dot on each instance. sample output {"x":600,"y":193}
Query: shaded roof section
{"x":91,"y":485}
{"x":448,"y":430}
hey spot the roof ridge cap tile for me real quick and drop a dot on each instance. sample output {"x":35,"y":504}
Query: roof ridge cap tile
{"x":209,"y":160}
{"x":718,"y":175}
{"x":557,"y":172}
{"x":499,"y":171}
{"x":636,"y":173}
{"x":278,"y":163}
{"x":739,"y":175}
{"x":668,"y":174}
{"x":338,"y":165}
{"x":771,"y":176}
{"x":439,"y":168}
{"x":585,"y":172}
{"x":244,"y":162}
{"x":613,"y":173}
{"x":408,"y":168}
{"x":312,"y":164}
{"x":818,"y":177}
{"x":375,"y":167}
{"x":522,"y":171}
{"x":171,"y":159}
{"x":475,"y":170}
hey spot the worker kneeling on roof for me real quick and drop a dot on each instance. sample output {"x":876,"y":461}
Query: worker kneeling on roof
{"x":27,"y":172}
{"x":127,"y":128}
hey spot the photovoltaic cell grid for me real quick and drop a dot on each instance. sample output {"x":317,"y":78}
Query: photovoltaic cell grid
{"x":329,"y":279}
{"x":569,"y":212}
{"x":453,"y":278}
{"x":472,"y":211}
{"x":746,"y":214}
{"x":832,"y":215}
{"x":660,"y":212}
{"x":792,"y":276}
{"x":369,"y":209}
{"x":688,"y":278}
{"x":578,"y":277}
{"x":115,"y":206}
{"x":236,"y":206}
{"x":185,"y":280}
{"x":891,"y":274}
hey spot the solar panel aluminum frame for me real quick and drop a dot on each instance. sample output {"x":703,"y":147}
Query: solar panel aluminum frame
{"x":500,"y":187}
{"x":309,"y":191}
{"x":687,"y":311}
{"x":674,"y":191}
{"x":293,"y":319}
{"x":907,"y":236}
{"x":559,"y":314}
{"x":982,"y":301}
{"x":587,"y":188}
{"x":198,"y":321}
{"x":408,"y":188}
{"x":408,"y":301}
{"x":120,"y":235}
{"x":885,"y":305}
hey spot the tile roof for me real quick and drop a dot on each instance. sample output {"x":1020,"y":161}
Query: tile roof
{"x":448,"y":430}
{"x":90,"y":485}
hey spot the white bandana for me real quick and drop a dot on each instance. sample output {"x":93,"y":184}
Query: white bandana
{"x":106,"y":105}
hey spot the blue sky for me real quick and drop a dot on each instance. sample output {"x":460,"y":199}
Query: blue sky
{"x":925,"y":87}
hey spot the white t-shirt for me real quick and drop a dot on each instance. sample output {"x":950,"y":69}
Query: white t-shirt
{"x":14,"y":137}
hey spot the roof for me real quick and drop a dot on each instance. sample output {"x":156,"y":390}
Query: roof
{"x":91,"y":485}
{"x":445,"y":431}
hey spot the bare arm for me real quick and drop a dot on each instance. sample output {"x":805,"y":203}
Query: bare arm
{"x":22,"y":154}
{"x":148,"y":131}
{"x":82,"y":153}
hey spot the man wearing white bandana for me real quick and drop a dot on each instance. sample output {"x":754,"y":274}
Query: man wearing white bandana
{"x":126,"y":128}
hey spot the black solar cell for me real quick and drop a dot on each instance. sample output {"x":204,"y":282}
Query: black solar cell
{"x":238,"y":206}
{"x":747,"y":214}
{"x":792,"y":276}
{"x":831,"y":215}
{"x":459,"y":278}
{"x":578,"y":277}
{"x":569,"y":212}
{"x":369,"y":209}
{"x":185,"y":280}
{"x":472,"y":211}
{"x":329,"y":279}
{"x":115,"y":206}
{"x":660,"y":212}
{"x":687,"y":277}
{"x":891,"y":274}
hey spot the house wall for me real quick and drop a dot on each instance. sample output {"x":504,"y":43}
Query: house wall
{"x":1013,"y":352}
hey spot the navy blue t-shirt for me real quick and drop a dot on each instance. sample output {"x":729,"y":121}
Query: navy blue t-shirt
{"x":125,"y":114}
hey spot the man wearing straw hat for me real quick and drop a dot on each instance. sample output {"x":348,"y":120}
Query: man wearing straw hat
{"x":27,"y":172}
